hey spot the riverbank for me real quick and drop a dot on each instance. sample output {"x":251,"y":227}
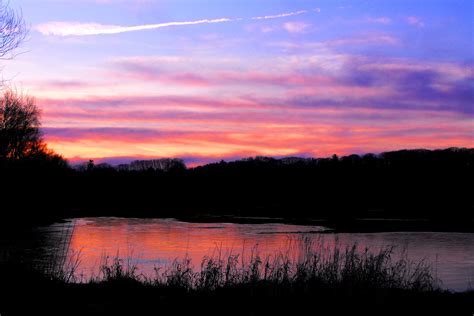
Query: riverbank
{"x":115,"y":298}
{"x":350,"y":225}
{"x":344,"y":284}
{"x":318,"y":280}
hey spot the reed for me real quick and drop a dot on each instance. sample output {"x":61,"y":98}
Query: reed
{"x":307,"y":264}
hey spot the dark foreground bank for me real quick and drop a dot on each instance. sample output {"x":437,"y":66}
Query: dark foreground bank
{"x":132,"y":298}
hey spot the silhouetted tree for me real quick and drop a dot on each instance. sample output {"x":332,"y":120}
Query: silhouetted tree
{"x":12,"y":29}
{"x":90,"y":165}
{"x":20,"y":136}
{"x":163,"y":164}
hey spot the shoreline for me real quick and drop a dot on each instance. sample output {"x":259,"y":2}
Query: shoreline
{"x":356,"y":225}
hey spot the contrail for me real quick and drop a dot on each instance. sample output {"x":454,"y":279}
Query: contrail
{"x":81,"y":29}
{"x":281,"y":15}
{"x":84,"y":29}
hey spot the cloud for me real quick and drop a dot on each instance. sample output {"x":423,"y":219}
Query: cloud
{"x":265,"y":139}
{"x":362,"y":41}
{"x":403,"y":86}
{"x":325,"y":79}
{"x":146,"y":71}
{"x":355,"y":114}
{"x":60,"y":84}
{"x":352,"y":81}
{"x":317,"y":103}
{"x":82,"y":29}
{"x":118,"y":133}
{"x":295,"y":27}
{"x":267,"y":29}
{"x":380,"y":20}
{"x":415,"y":21}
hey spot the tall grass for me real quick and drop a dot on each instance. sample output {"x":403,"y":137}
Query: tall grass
{"x":63,"y":263}
{"x":308,"y":263}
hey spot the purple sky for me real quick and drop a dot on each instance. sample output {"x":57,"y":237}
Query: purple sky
{"x":210,"y":80}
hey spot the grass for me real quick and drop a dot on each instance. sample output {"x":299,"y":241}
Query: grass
{"x":307,"y":278}
{"x":305,"y":265}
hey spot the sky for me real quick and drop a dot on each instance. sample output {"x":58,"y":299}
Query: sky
{"x":223,"y":79}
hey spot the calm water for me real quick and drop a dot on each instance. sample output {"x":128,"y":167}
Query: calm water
{"x":156,"y":242}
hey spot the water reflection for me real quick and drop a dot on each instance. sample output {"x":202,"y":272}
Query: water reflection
{"x":156,"y":242}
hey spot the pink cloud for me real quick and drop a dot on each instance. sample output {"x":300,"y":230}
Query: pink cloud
{"x":380,"y":20}
{"x":295,"y":106}
{"x":324,"y":140}
{"x":415,"y":21}
{"x":296,"y":27}
{"x":362,"y":41}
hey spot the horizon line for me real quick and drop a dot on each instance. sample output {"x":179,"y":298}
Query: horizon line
{"x":196,"y":161}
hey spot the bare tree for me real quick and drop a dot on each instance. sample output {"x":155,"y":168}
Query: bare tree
{"x":20,"y":136}
{"x":12,"y":29}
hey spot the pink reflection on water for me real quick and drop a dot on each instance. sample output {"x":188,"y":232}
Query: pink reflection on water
{"x":157,"y":242}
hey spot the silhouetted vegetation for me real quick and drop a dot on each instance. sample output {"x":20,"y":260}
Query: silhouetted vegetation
{"x":406,"y":185}
{"x":12,"y":29}
{"x":326,"y":281}
{"x":306,"y":261}
{"x":20,"y":135}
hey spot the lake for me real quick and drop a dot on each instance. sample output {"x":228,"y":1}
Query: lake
{"x":154,"y":243}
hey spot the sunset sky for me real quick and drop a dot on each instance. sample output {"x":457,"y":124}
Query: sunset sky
{"x":225,"y":79}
